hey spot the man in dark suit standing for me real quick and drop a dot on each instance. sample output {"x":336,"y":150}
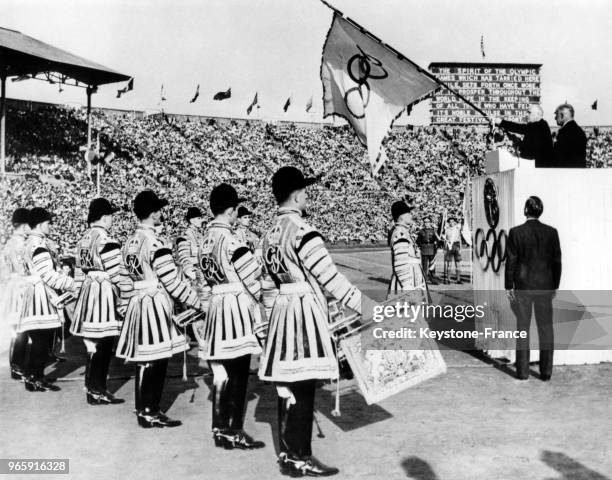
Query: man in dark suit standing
{"x":537,"y":141}
{"x":533,"y":273}
{"x":569,"y":150}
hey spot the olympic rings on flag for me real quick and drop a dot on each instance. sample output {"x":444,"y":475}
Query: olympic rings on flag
{"x":360,"y":68}
{"x":490,"y":248}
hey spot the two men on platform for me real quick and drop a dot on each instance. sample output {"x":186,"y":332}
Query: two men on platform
{"x":569,"y":149}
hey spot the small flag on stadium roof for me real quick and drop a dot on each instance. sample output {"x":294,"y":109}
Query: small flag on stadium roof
{"x":223,"y":95}
{"x":594,"y":106}
{"x":368,"y":83}
{"x":287,"y":104}
{"x":253,"y":103}
{"x":482,"y":46}
{"x":196,"y":95}
{"x":129,"y":87}
{"x":309,"y":105}
{"x":162,"y":97}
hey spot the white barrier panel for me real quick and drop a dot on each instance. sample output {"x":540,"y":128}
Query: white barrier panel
{"x":578,"y":203}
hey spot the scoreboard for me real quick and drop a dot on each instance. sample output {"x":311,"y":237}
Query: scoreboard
{"x":500,"y":89}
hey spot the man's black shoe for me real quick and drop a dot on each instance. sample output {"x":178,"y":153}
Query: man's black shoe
{"x":223,"y":438}
{"x":17,"y":374}
{"x":168,"y":422}
{"x":308,"y":466}
{"x":33,"y":385}
{"x":159,"y":420}
{"x":102,"y":398}
{"x":245,"y":442}
{"x":230,"y":440}
{"x":545,"y":378}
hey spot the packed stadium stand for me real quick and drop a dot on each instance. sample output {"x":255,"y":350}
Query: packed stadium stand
{"x":182,"y":160}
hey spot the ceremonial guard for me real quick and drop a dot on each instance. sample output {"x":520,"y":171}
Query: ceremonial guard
{"x":41,"y":313}
{"x":149,"y":336}
{"x":234,"y":275}
{"x":407,"y":270}
{"x":299,"y":349}
{"x":242,"y":232}
{"x":427,"y":240}
{"x":104,"y":286}
{"x":186,"y":254}
{"x":13,"y":275}
{"x":186,"y":244}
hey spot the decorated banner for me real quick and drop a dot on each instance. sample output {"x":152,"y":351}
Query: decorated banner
{"x":368,"y":83}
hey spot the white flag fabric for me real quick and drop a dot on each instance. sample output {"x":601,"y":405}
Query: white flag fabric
{"x":368,"y":84}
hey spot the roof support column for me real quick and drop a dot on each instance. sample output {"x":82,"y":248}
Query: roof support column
{"x":89,"y":91}
{"x":3,"y":123}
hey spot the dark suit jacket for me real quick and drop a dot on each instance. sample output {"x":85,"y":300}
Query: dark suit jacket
{"x":534,"y":257}
{"x":537,"y":141}
{"x":570,"y":148}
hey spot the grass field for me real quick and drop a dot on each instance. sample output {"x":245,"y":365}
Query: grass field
{"x":474,"y":422}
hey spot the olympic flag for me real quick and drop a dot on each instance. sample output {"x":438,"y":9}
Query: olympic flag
{"x":368,"y":83}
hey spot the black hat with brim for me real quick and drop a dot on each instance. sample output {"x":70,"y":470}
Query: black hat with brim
{"x":39,"y":215}
{"x":147,"y":202}
{"x":193,"y":212}
{"x":399,"y":208}
{"x":100,"y":207}
{"x":289,"y":179}
{"x":21,"y":216}
{"x":243,"y":211}
{"x":222,"y":197}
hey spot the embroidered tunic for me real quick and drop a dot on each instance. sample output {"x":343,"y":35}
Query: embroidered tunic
{"x":407,"y":272}
{"x":230,"y":269}
{"x":148,"y":332}
{"x":299,"y":345}
{"x":12,"y":278}
{"x":43,"y":283}
{"x":104,"y":286}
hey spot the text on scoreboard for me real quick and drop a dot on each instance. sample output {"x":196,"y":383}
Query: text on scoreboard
{"x":499,"y":89}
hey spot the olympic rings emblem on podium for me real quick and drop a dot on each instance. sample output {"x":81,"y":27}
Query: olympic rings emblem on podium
{"x":490,"y":248}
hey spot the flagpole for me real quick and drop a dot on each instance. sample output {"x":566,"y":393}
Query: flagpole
{"x":402,"y":57}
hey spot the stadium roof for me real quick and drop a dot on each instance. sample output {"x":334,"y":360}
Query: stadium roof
{"x":23,"y":55}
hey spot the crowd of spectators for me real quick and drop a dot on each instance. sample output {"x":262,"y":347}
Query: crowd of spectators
{"x":183,"y":160}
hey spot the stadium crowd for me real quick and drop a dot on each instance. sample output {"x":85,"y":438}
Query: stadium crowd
{"x":182,"y":160}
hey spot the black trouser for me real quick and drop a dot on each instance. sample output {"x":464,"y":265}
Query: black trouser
{"x":426,"y":261}
{"x":229,"y":397}
{"x":150,"y":378}
{"x":39,"y":351}
{"x":98,"y":363}
{"x":295,"y":421}
{"x":541,"y":303}
{"x":19,"y":350}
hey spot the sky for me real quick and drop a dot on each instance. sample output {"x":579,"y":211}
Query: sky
{"x":274,"y":47}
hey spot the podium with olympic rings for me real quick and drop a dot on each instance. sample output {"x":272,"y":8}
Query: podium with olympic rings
{"x":578,"y":203}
